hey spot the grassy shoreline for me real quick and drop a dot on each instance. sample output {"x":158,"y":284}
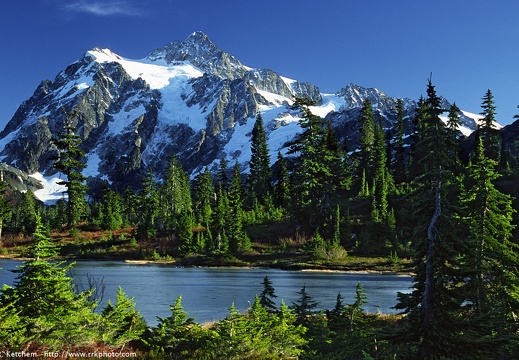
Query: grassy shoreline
{"x":297,"y":262}
{"x":120,"y":245}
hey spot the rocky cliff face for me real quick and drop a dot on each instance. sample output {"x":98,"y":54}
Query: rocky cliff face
{"x":189,"y":98}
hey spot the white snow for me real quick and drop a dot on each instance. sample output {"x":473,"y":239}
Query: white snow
{"x":125,"y":117}
{"x":156,"y":74}
{"x":478,"y":118}
{"x":51,"y":191}
{"x":175,"y":110}
{"x":330,"y":103}
{"x":466,"y":131}
{"x":92,"y":165}
{"x":6,"y":140}
{"x":172,"y":80}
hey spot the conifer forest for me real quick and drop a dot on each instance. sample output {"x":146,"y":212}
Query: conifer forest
{"x":434,"y":204}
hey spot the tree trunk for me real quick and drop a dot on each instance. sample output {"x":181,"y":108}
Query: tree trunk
{"x":428,"y":293}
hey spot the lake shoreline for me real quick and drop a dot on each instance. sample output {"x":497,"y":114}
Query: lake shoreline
{"x":289,"y":262}
{"x":309,"y":269}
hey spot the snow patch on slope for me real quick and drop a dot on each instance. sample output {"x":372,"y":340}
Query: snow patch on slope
{"x":478,"y":118}
{"x":51,"y":191}
{"x":156,"y":74}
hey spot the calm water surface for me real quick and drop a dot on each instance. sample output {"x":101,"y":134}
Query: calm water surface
{"x":207,"y":293}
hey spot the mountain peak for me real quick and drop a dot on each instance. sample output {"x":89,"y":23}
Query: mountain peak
{"x":354,"y":95}
{"x":102,"y":55}
{"x":198,"y":37}
{"x":201,"y":52}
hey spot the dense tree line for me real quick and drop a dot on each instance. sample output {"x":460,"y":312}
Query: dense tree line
{"x":425,"y":197}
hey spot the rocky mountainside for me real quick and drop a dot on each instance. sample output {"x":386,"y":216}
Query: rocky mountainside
{"x":189,"y":98}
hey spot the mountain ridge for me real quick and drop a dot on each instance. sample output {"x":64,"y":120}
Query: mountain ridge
{"x":188,"y":98}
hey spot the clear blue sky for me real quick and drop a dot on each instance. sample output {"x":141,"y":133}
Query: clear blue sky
{"x":469,"y":45}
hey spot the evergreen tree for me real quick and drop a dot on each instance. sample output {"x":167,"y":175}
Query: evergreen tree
{"x":367,"y":142}
{"x":222,"y":180}
{"x":267,"y":295}
{"x":336,"y":237}
{"x":5,"y":209}
{"x":413,"y":164}
{"x":203,"y":195}
{"x":234,"y":342}
{"x":487,"y":128}
{"x":380,"y":177}
{"x":23,"y":217}
{"x":493,"y":264}
{"x":108,"y":212}
{"x":400,"y":165}
{"x":57,"y":215}
{"x":121,"y":323}
{"x":288,"y":337}
{"x":337,"y":159}
{"x":238,"y":239}
{"x":282,"y":187}
{"x":312,"y":181}
{"x":219,"y":226}
{"x":174,"y":335}
{"x":12,"y":333}
{"x":258,"y":328}
{"x":148,"y":207}
{"x":43,"y":298}
{"x":258,"y":334}
{"x":355,"y":309}
{"x":433,"y":308}
{"x":455,"y":137}
{"x":42,"y":247}
{"x":175,"y":196}
{"x":347,"y":235}
{"x":260,"y":174}
{"x":176,"y":210}
{"x":339,"y":306}
{"x":69,"y":161}
{"x":304,"y":306}
{"x":130,"y":207}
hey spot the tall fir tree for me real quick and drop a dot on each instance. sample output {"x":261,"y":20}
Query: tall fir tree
{"x":238,"y":239}
{"x":315,"y":166}
{"x":5,"y":209}
{"x":220,"y":239}
{"x":268,"y":295}
{"x":433,"y":307}
{"x":203,"y":197}
{"x":381,"y":178}
{"x":222,"y":179}
{"x":400,"y":165}
{"x":175,"y":334}
{"x":413,"y":163}
{"x":492,"y":280}
{"x":108,"y":212}
{"x":282,"y":186}
{"x":455,"y":137}
{"x":122,"y":322}
{"x":24,"y":211}
{"x":487,"y":129}
{"x":367,"y":145}
{"x":260,"y":173}
{"x":304,"y":307}
{"x":51,"y":313}
{"x":148,"y":207}
{"x":175,"y":196}
{"x":70,"y":161}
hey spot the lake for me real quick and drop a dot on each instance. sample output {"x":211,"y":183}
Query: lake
{"x":207,"y":293}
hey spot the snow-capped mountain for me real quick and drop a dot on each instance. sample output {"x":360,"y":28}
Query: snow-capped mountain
{"x":189,"y":98}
